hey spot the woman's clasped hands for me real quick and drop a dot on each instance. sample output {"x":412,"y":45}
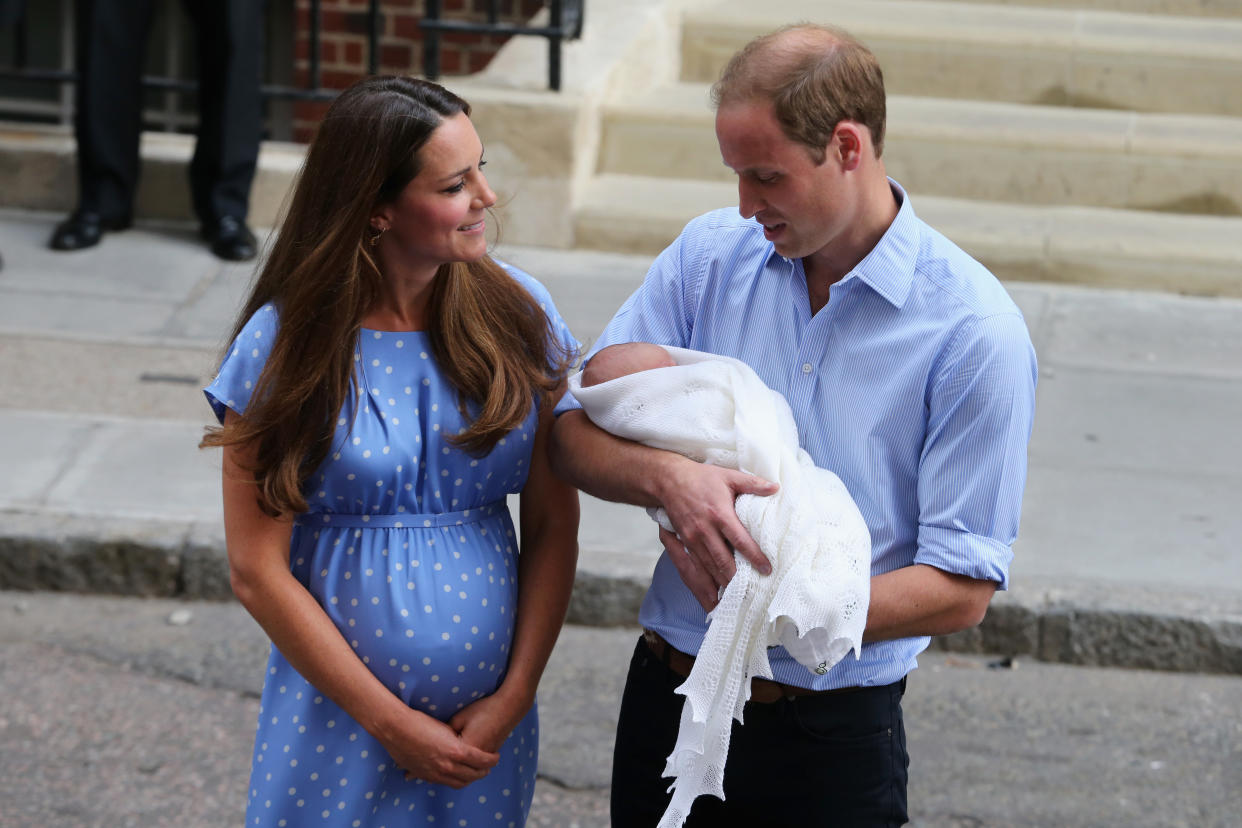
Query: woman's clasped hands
{"x":458,"y":752}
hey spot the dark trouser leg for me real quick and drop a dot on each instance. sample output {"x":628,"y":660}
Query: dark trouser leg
{"x":820,"y":760}
{"x":111,"y":45}
{"x":835,"y":760}
{"x":229,"y":37}
{"x":646,"y":732}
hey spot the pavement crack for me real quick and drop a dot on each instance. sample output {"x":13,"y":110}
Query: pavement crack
{"x":70,"y":457}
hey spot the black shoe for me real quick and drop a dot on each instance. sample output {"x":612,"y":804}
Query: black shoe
{"x":83,"y":229}
{"x":230,"y":239}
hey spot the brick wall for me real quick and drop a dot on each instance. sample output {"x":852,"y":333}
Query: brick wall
{"x":343,"y":44}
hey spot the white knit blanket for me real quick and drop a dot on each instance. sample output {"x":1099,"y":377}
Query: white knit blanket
{"x":716,"y":410}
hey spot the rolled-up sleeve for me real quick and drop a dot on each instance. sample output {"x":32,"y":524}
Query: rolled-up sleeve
{"x":972,"y":472}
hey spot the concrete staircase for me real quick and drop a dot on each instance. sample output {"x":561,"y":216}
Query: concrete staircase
{"x":1099,"y":143}
{"x":1090,"y":142}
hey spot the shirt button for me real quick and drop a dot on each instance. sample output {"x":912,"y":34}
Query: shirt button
{"x":806,"y":368}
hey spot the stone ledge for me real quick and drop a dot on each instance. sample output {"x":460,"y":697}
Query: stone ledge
{"x":985,"y":150}
{"x":1067,"y":57}
{"x":1100,"y":625}
{"x":1097,"y":625}
{"x":1186,"y":8}
{"x":114,"y":557}
{"x":1197,"y":255}
{"x":534,"y":138}
{"x":38,"y":172}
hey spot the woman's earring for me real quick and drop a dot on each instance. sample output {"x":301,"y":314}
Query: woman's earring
{"x":375,"y":237}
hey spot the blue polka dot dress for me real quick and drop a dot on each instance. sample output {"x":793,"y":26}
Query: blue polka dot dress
{"x":409,"y":547}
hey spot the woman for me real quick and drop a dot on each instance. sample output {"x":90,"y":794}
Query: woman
{"x":388,"y":386}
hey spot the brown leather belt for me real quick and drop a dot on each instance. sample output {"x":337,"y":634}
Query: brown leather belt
{"x":763,"y":691}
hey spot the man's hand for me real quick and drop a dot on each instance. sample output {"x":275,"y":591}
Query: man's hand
{"x":699,"y":501}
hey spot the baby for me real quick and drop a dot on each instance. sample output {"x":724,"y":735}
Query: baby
{"x":624,"y":359}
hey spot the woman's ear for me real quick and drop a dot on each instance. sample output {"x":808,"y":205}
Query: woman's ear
{"x":380,"y":220}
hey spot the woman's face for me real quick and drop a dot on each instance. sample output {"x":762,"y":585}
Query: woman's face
{"x":440,"y":215}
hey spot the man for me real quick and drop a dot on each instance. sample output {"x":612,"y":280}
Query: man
{"x":111,"y":44}
{"x":911,"y":375}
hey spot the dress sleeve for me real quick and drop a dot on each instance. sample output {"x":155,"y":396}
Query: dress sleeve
{"x":973,"y":468}
{"x":239,"y":372}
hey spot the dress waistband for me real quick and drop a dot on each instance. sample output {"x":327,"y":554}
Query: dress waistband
{"x":402,"y":520}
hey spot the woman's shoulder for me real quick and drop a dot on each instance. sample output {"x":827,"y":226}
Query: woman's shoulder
{"x":262,"y":323}
{"x":543,"y":298}
{"x":243,"y":362}
{"x":254,"y":340}
{"x":533,"y":286}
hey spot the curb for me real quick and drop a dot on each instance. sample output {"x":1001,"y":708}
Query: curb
{"x":1094,"y":625}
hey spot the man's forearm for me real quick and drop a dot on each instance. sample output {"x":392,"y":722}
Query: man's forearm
{"x":923,"y":600}
{"x":698,"y":497}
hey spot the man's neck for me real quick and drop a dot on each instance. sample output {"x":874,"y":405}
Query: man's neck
{"x":826,"y":267}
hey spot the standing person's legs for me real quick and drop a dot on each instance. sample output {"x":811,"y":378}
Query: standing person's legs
{"x":111,"y":40}
{"x":835,"y":759}
{"x":830,"y":760}
{"x":229,"y":37}
{"x":646,"y":731}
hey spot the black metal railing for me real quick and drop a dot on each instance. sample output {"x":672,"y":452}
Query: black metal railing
{"x":564,"y":23}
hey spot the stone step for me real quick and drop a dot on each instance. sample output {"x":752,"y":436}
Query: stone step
{"x":1182,"y":8}
{"x":976,"y":149}
{"x":1062,"y":57}
{"x":1199,"y":255}
{"x":37,"y":172}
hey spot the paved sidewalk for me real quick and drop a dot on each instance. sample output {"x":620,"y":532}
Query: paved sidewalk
{"x":164,"y":735}
{"x":1129,"y":552}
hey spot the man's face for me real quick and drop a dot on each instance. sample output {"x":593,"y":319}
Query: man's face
{"x":803,"y":206}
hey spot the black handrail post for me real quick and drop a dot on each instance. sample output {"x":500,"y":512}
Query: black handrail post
{"x":315,"y":21}
{"x":554,"y":46}
{"x":565,"y":23}
{"x":431,"y":42}
{"x":21,"y":38}
{"x":373,"y":35}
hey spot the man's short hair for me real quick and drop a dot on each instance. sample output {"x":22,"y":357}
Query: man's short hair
{"x":815,"y":76}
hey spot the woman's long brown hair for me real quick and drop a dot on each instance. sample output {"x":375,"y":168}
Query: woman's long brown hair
{"x":491,"y":339}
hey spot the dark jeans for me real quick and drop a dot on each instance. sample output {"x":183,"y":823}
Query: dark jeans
{"x":830,"y":760}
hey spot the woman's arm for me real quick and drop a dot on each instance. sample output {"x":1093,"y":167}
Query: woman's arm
{"x":546,"y":563}
{"x":258,"y":551}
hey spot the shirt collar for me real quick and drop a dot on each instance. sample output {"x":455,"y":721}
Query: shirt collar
{"x":889,"y":268}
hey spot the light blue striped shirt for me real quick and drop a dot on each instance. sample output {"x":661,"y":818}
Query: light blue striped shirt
{"x":915,"y":384}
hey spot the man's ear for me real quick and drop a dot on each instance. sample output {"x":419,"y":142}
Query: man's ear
{"x":847,"y":145}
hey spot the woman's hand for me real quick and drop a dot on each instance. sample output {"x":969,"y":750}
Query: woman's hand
{"x":487,"y":723}
{"x":427,"y":748}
